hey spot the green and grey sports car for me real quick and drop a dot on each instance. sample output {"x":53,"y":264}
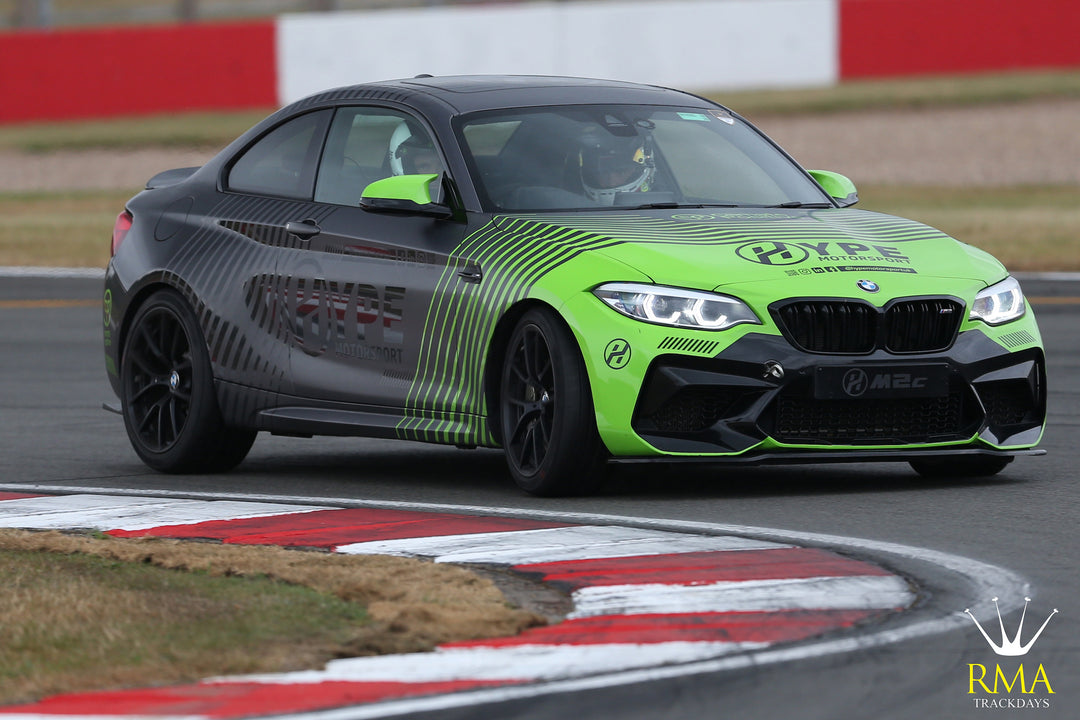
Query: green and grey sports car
{"x":578,"y":271}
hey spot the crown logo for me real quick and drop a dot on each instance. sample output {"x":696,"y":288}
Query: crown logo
{"x":1011,"y":648}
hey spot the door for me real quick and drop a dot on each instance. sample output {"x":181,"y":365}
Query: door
{"x":360,"y":284}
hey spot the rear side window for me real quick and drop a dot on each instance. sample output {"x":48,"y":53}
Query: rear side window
{"x":282,"y":163}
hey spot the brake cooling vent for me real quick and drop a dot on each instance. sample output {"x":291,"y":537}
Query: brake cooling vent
{"x":851,"y":327}
{"x":688,"y":345}
{"x":691,"y":409}
{"x":1008,"y":402}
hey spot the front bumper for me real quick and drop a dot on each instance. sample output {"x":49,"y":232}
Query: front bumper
{"x":762,"y":398}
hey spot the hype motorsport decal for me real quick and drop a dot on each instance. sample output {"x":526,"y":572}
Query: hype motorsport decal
{"x":1007,"y":684}
{"x":807,"y":243}
{"x":828,"y":257}
{"x":819,"y":243}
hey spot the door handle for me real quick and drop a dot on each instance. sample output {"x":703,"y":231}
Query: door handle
{"x":471,"y":274}
{"x":303,"y":229}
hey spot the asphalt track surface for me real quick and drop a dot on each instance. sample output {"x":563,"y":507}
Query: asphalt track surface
{"x":54,"y":433}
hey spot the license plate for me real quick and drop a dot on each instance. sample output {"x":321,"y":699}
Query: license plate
{"x":874,"y":382}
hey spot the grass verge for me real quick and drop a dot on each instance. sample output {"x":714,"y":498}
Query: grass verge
{"x":180,"y":130}
{"x":82,"y":612}
{"x":1027,"y":228}
{"x":67,"y":229}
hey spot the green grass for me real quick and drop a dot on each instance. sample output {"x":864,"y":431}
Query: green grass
{"x":70,"y":229}
{"x":196,"y":129}
{"x":151,"y":625}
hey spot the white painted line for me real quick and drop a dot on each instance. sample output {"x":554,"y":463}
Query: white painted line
{"x":51,"y":272}
{"x":522,"y":663}
{"x":552,"y":545}
{"x":105,"y":512}
{"x":68,"y":511}
{"x":42,"y":716}
{"x":1056,"y":276}
{"x":828,"y":593}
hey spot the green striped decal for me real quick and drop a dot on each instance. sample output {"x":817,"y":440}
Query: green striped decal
{"x":740,"y":227}
{"x":445,"y":403}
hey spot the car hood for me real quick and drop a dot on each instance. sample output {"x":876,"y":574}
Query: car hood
{"x":804,"y":248}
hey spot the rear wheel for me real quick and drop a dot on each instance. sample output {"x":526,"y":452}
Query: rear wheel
{"x":169,"y":405}
{"x":546,"y":411}
{"x":962,"y":466}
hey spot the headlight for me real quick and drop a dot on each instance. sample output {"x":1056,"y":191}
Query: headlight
{"x":999,"y":303}
{"x":675,"y":306}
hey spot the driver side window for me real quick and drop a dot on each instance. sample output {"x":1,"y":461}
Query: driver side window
{"x":366,"y":144}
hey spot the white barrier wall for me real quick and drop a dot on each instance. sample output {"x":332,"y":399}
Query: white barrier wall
{"x":689,"y":44}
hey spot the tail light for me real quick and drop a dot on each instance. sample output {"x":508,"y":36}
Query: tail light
{"x":120,"y":229}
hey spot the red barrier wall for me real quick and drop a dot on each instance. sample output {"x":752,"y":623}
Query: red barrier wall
{"x":70,"y":74}
{"x":138,"y":70}
{"x":880,"y":38}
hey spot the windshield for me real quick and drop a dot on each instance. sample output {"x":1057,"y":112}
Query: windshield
{"x":604,"y":156}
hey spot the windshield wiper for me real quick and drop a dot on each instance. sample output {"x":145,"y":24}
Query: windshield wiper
{"x":799,"y":204}
{"x":665,"y":205}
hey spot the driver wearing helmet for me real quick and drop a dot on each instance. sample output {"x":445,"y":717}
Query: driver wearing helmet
{"x":412,"y":153}
{"x":611,"y":165}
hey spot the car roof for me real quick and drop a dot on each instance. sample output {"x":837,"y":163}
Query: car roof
{"x":459,"y":94}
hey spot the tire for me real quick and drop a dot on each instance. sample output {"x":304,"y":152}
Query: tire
{"x":546,"y":412}
{"x":167,"y":393}
{"x":962,"y":467}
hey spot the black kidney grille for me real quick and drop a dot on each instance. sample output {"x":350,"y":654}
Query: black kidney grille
{"x":922,"y":325}
{"x":849,"y":327}
{"x":828,"y":326}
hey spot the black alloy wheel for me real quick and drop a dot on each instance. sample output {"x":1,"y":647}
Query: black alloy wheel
{"x":546,"y":412}
{"x":169,"y":405}
{"x":159,"y":379}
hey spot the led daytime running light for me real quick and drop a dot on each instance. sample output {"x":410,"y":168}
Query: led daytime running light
{"x":677,"y":307}
{"x":1000,"y":303}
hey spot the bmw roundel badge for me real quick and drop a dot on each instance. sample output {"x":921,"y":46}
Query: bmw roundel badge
{"x":868,"y":285}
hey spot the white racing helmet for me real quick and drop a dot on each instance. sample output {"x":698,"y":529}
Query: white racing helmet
{"x":410,"y":151}
{"x":611,"y":165}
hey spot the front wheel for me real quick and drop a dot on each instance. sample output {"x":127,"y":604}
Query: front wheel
{"x":546,"y":411}
{"x":962,"y":466}
{"x":169,"y":404}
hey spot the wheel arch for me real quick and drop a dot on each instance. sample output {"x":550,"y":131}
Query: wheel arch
{"x":496,"y":354}
{"x":138,"y":297}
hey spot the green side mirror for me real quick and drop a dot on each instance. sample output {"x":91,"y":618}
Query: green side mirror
{"x":839,"y":187}
{"x":407,"y":194}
